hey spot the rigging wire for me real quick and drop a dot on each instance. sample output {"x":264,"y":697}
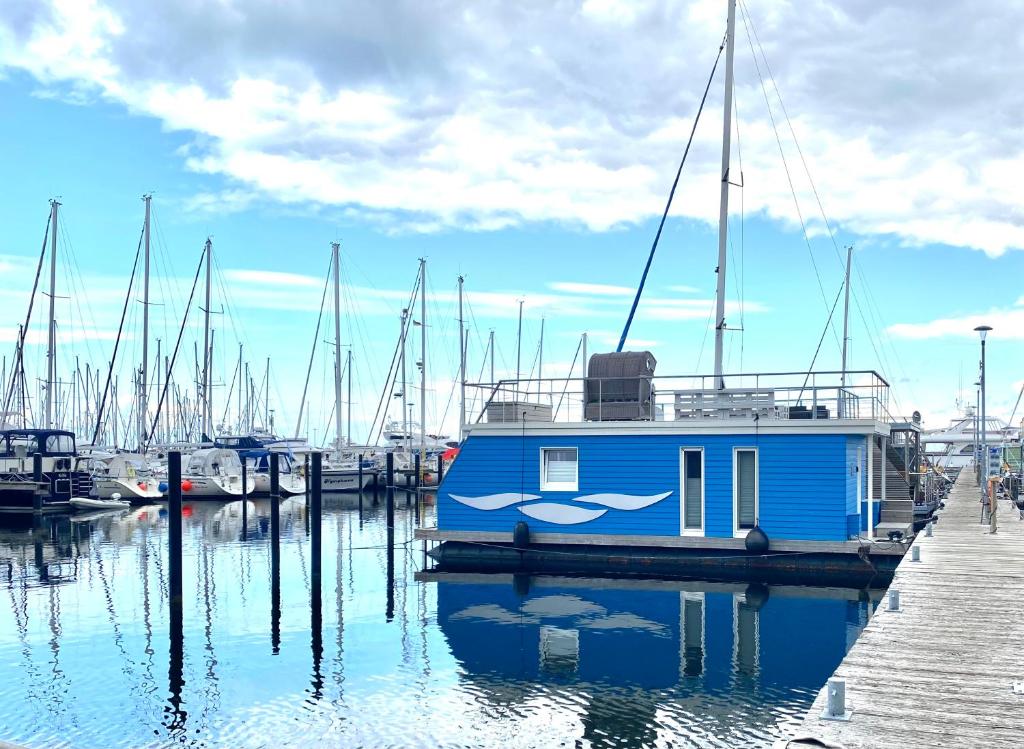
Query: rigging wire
{"x":789,"y":176}
{"x":19,"y":362}
{"x":668,"y":203}
{"x":117,"y":342}
{"x":177,"y":344}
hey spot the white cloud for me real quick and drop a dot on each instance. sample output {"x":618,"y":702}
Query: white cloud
{"x":272,"y":278}
{"x":596,"y":289}
{"x":426,"y":116}
{"x":1006,"y":323}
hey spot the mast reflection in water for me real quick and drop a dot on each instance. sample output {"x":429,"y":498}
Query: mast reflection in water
{"x":384,"y":653}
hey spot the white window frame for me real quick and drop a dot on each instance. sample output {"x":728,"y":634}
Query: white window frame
{"x":559,"y":486}
{"x":737,"y":532}
{"x":683,"y":530}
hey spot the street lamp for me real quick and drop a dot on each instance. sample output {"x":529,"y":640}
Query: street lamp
{"x":982,"y":331}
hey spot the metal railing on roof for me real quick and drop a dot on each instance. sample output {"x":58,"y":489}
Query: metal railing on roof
{"x":771,"y":395}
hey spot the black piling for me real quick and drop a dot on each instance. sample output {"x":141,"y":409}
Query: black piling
{"x":37,"y":476}
{"x":174,"y":528}
{"x":245,"y":502}
{"x":305,"y":475}
{"x":315,"y":511}
{"x":390,"y":494}
{"x":315,"y":494}
{"x":440,"y":469}
{"x":275,"y":554}
{"x":359,"y":486}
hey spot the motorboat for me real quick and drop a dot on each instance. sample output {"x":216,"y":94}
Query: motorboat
{"x":59,"y":479}
{"x":212,"y":473}
{"x":126,"y":475}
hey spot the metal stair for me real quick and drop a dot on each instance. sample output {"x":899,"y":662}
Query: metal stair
{"x":897,"y":511}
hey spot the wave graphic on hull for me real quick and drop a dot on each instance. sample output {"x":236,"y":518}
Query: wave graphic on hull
{"x":494,"y":501}
{"x":552,"y":512}
{"x":562,"y":513}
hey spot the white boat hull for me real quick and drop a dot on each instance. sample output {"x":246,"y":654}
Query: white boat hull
{"x":211,"y":487}
{"x":132,"y":489}
{"x":344,"y":480}
{"x":90,"y":503}
{"x":290,"y":484}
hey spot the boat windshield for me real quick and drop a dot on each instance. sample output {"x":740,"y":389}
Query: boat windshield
{"x":60,"y":443}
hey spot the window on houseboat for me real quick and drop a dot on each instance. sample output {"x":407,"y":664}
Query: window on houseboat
{"x":60,"y":443}
{"x":559,"y":469}
{"x":746,"y":489}
{"x":693,"y":490}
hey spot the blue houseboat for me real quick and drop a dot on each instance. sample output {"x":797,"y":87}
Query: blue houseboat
{"x":624,"y":471}
{"x":728,"y":481}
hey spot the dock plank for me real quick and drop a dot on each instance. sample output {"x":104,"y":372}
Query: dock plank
{"x":940,"y":672}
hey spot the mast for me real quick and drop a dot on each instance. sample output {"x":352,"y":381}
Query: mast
{"x":51,"y":338}
{"x":423,"y":364}
{"x":209,"y":396}
{"x":846,"y":325}
{"x":723,"y":214}
{"x":141,"y":420}
{"x":405,"y":407}
{"x":348,"y":380}
{"x":462,"y":364}
{"x":266,"y":398}
{"x":206,"y":343}
{"x":540,"y":359}
{"x":583,"y":345}
{"x":335,"y":258}
{"x":241,"y":388}
{"x":490,"y":345}
{"x":519,"y":342}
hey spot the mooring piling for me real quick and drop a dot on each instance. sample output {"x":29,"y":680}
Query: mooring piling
{"x":315,"y":511}
{"x":37,"y":477}
{"x":275,"y":554}
{"x":245,"y":503}
{"x":389,"y":497}
{"x":174,"y":527}
{"x":359,"y":487}
{"x":440,"y":469}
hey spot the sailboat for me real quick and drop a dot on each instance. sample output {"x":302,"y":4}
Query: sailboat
{"x":38,"y":467}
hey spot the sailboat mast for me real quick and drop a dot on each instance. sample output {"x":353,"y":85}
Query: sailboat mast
{"x":335,"y":259}
{"x":723,"y":213}
{"x":206,"y":343}
{"x":490,"y":345}
{"x":423,"y":363}
{"x":51,"y":338}
{"x":846,"y":317}
{"x":405,"y":397}
{"x":141,"y":420}
{"x":462,"y":364}
{"x":348,"y":409}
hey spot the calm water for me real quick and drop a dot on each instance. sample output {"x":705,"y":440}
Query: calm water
{"x":88,"y":659}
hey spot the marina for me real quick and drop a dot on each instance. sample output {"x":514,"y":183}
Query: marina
{"x":589,"y":374}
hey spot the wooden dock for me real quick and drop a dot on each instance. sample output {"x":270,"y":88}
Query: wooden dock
{"x":941,"y":672}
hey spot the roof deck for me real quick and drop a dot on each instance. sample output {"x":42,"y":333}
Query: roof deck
{"x":684,"y":399}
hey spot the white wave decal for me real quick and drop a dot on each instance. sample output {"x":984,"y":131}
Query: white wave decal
{"x":494,"y":501}
{"x":552,"y":512}
{"x":623,"y":501}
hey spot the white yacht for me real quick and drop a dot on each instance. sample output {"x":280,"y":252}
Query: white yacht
{"x":952,"y":447}
{"x":125,"y":474}
{"x":212,"y":473}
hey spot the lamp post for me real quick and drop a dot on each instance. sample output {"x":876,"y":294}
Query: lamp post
{"x":977,"y":432}
{"x":982,"y":331}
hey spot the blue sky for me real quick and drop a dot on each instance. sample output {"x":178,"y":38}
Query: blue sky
{"x":557,"y":208}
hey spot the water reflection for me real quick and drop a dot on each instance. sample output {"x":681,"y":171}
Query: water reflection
{"x":633,"y":653}
{"x":457,"y":660}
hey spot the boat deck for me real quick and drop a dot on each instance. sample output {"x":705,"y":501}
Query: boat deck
{"x":942,"y":670}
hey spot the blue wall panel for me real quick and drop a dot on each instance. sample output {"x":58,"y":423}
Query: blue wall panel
{"x":805,"y":482}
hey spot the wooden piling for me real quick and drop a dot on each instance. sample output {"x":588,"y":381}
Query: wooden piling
{"x":315,"y":509}
{"x":275,"y":554}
